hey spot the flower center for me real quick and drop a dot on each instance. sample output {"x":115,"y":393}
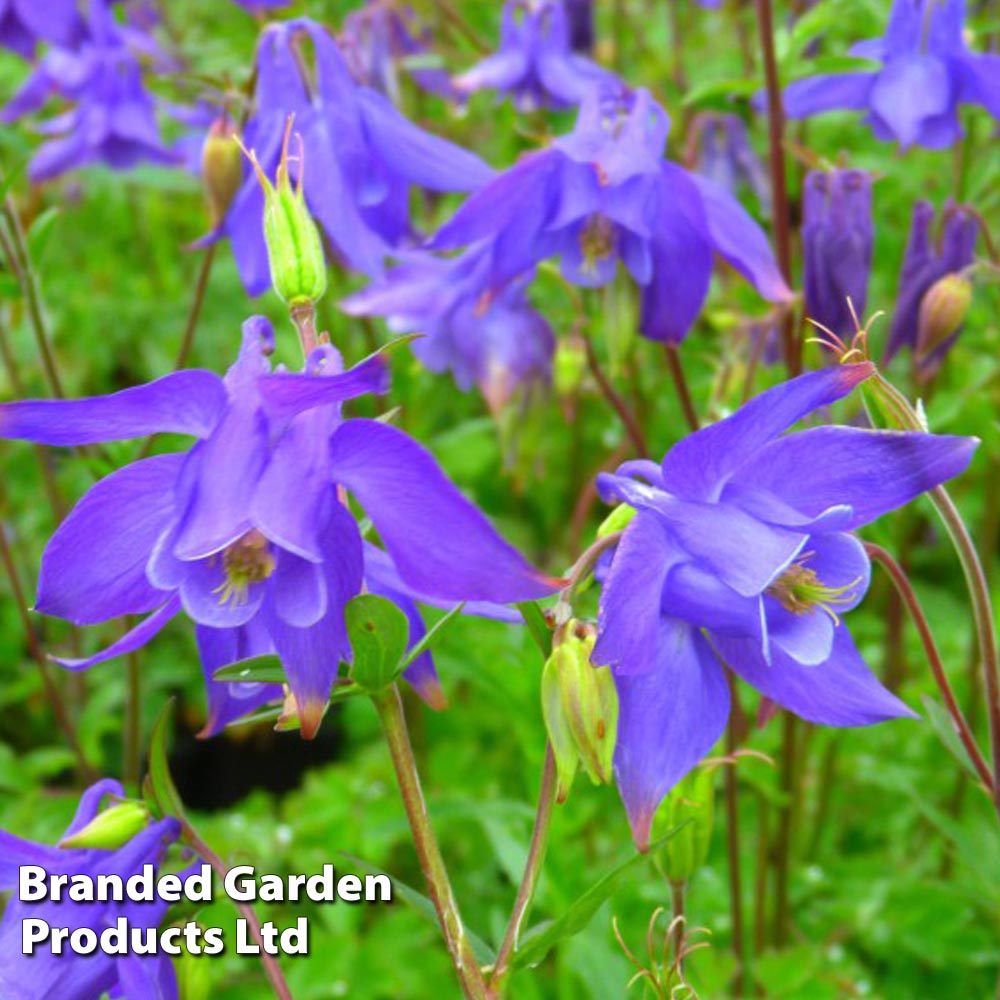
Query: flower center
{"x":597,"y":241}
{"x":801,"y":591}
{"x":248,"y":560}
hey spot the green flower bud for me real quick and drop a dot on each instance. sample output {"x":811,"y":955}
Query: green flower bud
{"x":221,"y":168}
{"x":942,"y":311}
{"x":112,"y":828}
{"x":691,"y":802}
{"x":194,"y":980}
{"x":580,"y":705}
{"x":294,"y":248}
{"x":569,"y":365}
{"x":618,"y":520}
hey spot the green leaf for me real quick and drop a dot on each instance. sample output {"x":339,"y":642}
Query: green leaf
{"x":159,"y":789}
{"x":378,"y":631}
{"x":431,"y":637}
{"x":483,"y":952}
{"x":537,"y":626}
{"x":543,"y":937}
{"x":256,"y":670}
{"x":940,"y":720}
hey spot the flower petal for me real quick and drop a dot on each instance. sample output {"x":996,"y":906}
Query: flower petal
{"x":298,"y":591}
{"x":94,"y":567}
{"x":698,"y":465}
{"x":185,"y":402}
{"x":441,"y":544}
{"x":669,"y":718}
{"x":827,"y":92}
{"x":872,"y":471}
{"x":909,"y":91}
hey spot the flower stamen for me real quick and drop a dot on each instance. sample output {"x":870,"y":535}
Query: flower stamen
{"x":801,"y":591}
{"x":248,"y":560}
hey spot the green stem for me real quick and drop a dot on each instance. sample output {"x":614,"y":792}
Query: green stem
{"x":532,"y":872}
{"x":628,"y":419}
{"x":681,"y":385}
{"x":733,"y":854}
{"x":194,"y":311}
{"x":390,"y":709}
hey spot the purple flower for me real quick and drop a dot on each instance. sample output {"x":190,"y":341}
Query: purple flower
{"x":361,"y":156}
{"x":383,"y":36}
{"x":246,"y":532}
{"x":495,"y":341}
{"x":113,"y":120}
{"x":927,"y":72}
{"x":260,"y":7}
{"x":724,"y":155}
{"x":741,"y":554}
{"x":837,"y":237}
{"x":535,"y":63}
{"x":604,"y":193}
{"x":25,"y":23}
{"x":580,"y":19}
{"x":926,"y":262}
{"x":83,"y":977}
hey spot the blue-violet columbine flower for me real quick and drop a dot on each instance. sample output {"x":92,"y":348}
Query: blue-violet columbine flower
{"x":837,"y":234}
{"x":535,"y":63}
{"x":69,"y":976}
{"x":361,"y":156}
{"x":25,"y":23}
{"x":604,"y":193}
{"x":741,"y":555}
{"x":927,"y":72}
{"x":246,"y":532}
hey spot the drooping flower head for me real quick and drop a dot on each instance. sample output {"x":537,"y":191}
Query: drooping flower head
{"x":535,"y":64}
{"x":927,"y":72}
{"x":68,"y":975}
{"x":837,"y":233}
{"x":25,"y":23}
{"x":926,"y":261}
{"x":246,"y":532}
{"x":742,"y":555}
{"x":384,"y":36}
{"x":113,"y":117}
{"x":361,"y":155}
{"x":495,"y":341}
{"x":604,"y":194}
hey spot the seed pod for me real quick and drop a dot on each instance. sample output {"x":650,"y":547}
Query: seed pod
{"x":942,"y":311}
{"x":294,"y":248}
{"x":221,"y":168}
{"x":112,"y":828}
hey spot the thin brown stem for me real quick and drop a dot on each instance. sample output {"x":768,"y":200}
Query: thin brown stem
{"x":677,"y":894}
{"x":681,"y":385}
{"x":733,"y":853}
{"x":194,"y":310}
{"x":618,"y":404}
{"x":63,"y":720}
{"x":133,"y":721}
{"x":271,"y":967}
{"x":910,"y":600}
{"x":390,"y":710}
{"x":779,"y":179}
{"x":532,"y":872}
{"x":783,"y":841}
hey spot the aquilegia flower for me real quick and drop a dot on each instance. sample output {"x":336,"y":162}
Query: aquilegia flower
{"x":82,"y":977}
{"x":245,"y":532}
{"x":604,"y":193}
{"x":361,"y":155}
{"x":25,"y":23}
{"x":535,"y":63}
{"x":741,"y":554}
{"x":724,"y":155}
{"x":383,"y":36}
{"x":837,"y":233}
{"x":113,"y":120}
{"x":925,"y":262}
{"x":927,"y":72}
{"x":495,"y":341}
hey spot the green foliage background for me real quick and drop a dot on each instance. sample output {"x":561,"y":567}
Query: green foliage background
{"x":895,"y":863}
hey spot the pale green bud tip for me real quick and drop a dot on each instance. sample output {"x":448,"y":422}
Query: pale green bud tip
{"x":618,"y":520}
{"x":942,"y":311}
{"x":580,"y":704}
{"x":221,"y":168}
{"x":294,"y":247}
{"x":112,"y":828}
{"x":569,"y":365}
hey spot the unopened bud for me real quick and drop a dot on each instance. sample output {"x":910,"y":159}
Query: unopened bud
{"x":618,"y":520}
{"x":112,"y":828}
{"x":569,"y":365}
{"x":294,"y":248}
{"x":221,"y":168}
{"x":194,"y":980}
{"x":942,"y":311}
{"x":580,"y":704}
{"x":688,"y":809}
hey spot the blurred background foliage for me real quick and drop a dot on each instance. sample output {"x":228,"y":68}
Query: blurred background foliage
{"x":894,"y":857}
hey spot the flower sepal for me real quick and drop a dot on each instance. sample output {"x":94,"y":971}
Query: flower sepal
{"x":112,"y":828}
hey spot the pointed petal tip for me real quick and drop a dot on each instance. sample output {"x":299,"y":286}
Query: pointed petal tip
{"x":642,"y":826}
{"x":311,"y":717}
{"x":432,"y":695}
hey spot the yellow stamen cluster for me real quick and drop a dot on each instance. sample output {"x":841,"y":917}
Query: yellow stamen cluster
{"x":801,"y":591}
{"x":248,"y":560}
{"x":597,"y":241}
